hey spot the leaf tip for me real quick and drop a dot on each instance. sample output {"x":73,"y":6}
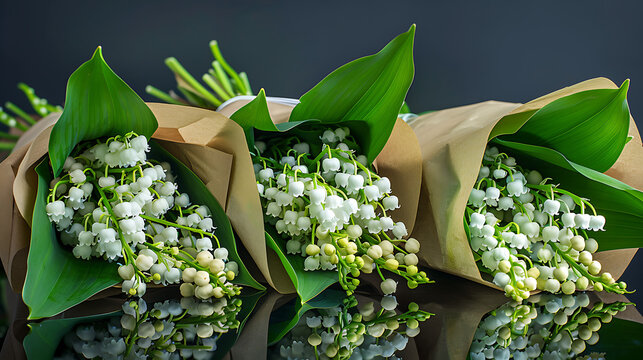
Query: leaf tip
{"x":412,"y":29}
{"x":98,"y":53}
{"x":626,"y":85}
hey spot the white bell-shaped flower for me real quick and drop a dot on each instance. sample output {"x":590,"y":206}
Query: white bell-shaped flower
{"x":331,"y":164}
{"x":516,"y":188}
{"x":505,"y":203}
{"x":390,"y":202}
{"x":477,"y":221}
{"x":476,"y":198}
{"x":317,"y":195}
{"x":372,"y":192}
{"x":355,"y":183}
{"x":296,"y":188}
{"x":341,"y":179}
{"x":582,"y":221}
{"x":596,"y":223}
{"x":551,"y":207}
{"x":384,"y":185}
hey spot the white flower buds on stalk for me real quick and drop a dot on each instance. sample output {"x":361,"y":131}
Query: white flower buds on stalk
{"x":332,"y":209}
{"x":516,"y":220}
{"x":122,"y":208}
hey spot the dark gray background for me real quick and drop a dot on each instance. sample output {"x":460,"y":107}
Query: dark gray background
{"x":465,"y":52}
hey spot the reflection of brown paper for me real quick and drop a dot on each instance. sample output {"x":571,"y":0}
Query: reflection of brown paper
{"x":453,"y":143}
{"x":400,"y":160}
{"x":211,"y":145}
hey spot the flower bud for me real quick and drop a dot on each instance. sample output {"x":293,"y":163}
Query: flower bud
{"x":412,"y":246}
{"x":126,"y":272}
{"x":201,"y":278}
{"x":388,"y":286}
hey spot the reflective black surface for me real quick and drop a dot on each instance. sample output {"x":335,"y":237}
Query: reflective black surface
{"x":469,"y":321}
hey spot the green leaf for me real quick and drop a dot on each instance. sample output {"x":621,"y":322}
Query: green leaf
{"x":619,"y":339}
{"x":371,"y":89}
{"x":56,"y":280}
{"x":256,"y":116}
{"x":43,"y":338}
{"x":98,"y":103}
{"x":286,"y":317}
{"x":191,"y":184}
{"x":621,"y":204}
{"x":590,"y":127}
{"x":308,"y":284}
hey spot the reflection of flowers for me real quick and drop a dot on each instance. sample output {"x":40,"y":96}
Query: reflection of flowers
{"x":530,"y":234}
{"x":332,"y":209}
{"x":547,"y":326}
{"x":342,"y":332}
{"x":112,"y":202}
{"x":170,"y":330}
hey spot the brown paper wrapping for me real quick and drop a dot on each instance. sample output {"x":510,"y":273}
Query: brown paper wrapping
{"x":453,"y":143}
{"x":210,"y":144}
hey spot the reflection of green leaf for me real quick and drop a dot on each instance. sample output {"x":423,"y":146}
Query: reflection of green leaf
{"x":286,"y":317}
{"x":227,"y":340}
{"x":191,"y":184}
{"x":370,"y":89}
{"x":308,"y":284}
{"x":621,"y":204}
{"x":589,"y":127}
{"x":56,"y":280}
{"x":619,"y":340}
{"x":98,"y":103}
{"x":43,"y":338}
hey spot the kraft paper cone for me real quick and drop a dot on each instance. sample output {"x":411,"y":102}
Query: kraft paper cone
{"x":400,"y":161}
{"x":212,"y":146}
{"x":453,"y":143}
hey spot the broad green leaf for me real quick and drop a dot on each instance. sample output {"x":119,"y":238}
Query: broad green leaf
{"x":286,"y":317}
{"x":619,"y":340}
{"x":308,"y":284}
{"x":227,"y":340}
{"x":370,"y":89}
{"x":590,"y":127}
{"x":43,"y":338}
{"x":194,"y":187}
{"x":621,"y":204}
{"x":98,"y":103}
{"x":56,"y":280}
{"x":255,"y":116}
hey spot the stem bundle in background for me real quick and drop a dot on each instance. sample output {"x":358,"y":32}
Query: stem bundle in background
{"x":331,"y":208}
{"x":528,"y":233}
{"x":114,"y":203}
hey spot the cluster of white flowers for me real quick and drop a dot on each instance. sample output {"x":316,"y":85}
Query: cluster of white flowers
{"x":530,"y":234}
{"x":111,"y":202}
{"x":172,"y":329}
{"x":336,"y":333}
{"x":331,"y":208}
{"x":546,"y":326}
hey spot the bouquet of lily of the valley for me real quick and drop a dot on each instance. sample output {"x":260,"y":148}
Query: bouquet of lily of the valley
{"x":518,"y":195}
{"x":109,"y":206}
{"x":329,"y":173}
